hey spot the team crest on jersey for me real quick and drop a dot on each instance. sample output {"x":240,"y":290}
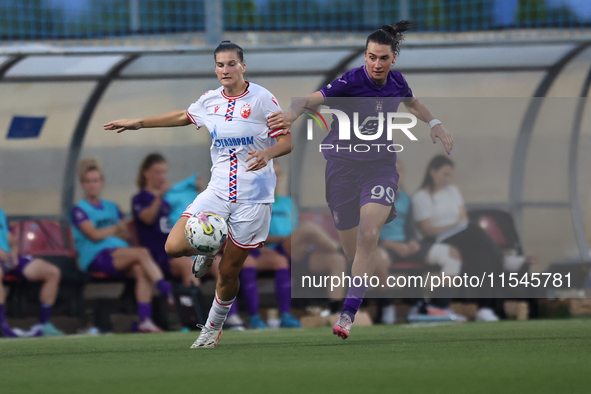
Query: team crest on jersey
{"x":216,"y":109}
{"x":245,"y":111}
{"x":379,"y":106}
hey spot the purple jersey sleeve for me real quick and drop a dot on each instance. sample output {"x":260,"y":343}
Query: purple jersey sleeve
{"x":79,"y":216}
{"x":337,"y":88}
{"x":141,"y":201}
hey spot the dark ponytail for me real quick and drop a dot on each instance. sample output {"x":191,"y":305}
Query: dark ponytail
{"x":226,"y":46}
{"x":391,"y":35}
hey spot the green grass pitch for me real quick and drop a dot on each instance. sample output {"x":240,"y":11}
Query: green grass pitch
{"x":552,"y":356}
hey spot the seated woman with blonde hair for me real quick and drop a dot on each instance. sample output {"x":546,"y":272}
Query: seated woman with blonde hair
{"x":100,"y":236}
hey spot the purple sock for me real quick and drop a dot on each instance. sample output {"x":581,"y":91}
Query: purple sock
{"x":144,"y":309}
{"x":163,"y":287}
{"x":354,"y":299}
{"x":248,"y":283}
{"x":283,"y":290}
{"x":2,"y":314}
{"x":44,"y":313}
{"x":233,"y":309}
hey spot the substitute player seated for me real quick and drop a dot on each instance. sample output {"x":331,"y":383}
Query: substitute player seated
{"x":100,"y":237}
{"x":32,"y":269}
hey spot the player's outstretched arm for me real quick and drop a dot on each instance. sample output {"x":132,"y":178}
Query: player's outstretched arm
{"x":259,"y":158}
{"x":284,"y":119}
{"x":419,"y":110}
{"x":169,"y":119}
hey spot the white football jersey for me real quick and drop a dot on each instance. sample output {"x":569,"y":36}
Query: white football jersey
{"x":238,"y":124}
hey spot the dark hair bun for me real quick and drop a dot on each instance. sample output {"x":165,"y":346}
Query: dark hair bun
{"x":398,"y":28}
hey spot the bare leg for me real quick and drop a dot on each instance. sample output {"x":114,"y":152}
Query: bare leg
{"x":143,"y":287}
{"x":373,"y":217}
{"x":125,"y":258}
{"x":181,"y":268}
{"x":333,"y":263}
{"x":349,"y":242}
{"x":176,"y":243}
{"x":250,"y":262}
{"x":270,"y":260}
{"x":309,"y":233}
{"x":383,"y":262}
{"x":41,"y":271}
{"x":228,"y":283}
{"x":2,"y":293}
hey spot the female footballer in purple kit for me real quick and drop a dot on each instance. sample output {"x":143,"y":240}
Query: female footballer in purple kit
{"x":242,"y":185}
{"x":151,"y":218}
{"x":360,"y":215}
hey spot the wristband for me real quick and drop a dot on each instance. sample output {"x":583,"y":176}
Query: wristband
{"x":434,"y":123}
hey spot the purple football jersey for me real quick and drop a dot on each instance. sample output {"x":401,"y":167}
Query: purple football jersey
{"x":368,"y":99}
{"x":152,"y":236}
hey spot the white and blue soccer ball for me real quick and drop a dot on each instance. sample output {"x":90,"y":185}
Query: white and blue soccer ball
{"x":206,"y":231}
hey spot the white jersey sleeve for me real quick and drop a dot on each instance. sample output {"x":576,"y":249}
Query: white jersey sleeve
{"x":197,"y":111}
{"x":269,"y":104}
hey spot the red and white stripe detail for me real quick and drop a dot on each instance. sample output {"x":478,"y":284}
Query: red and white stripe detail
{"x":242,"y":246}
{"x":232,"y":188}
{"x":277,"y":132}
{"x":223,"y":303}
{"x":224,"y":95}
{"x":192,"y":119}
{"x":186,"y":214}
{"x":230,"y":110}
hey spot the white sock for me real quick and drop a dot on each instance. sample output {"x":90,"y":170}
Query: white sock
{"x":218,"y":312}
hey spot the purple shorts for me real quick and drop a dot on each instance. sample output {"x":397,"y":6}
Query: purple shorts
{"x":18,"y":269}
{"x":103,"y":262}
{"x":349,"y":187}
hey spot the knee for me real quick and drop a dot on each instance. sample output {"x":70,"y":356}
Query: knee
{"x":54,"y":273}
{"x":250,"y":262}
{"x":308,"y":228}
{"x":144,"y":255}
{"x":280,"y":262}
{"x":136,"y":271}
{"x":368,"y":234}
{"x":381,"y":257}
{"x":172,"y":248}
{"x":338,"y":262}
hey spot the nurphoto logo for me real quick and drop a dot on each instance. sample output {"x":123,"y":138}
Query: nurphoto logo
{"x":371,"y":128}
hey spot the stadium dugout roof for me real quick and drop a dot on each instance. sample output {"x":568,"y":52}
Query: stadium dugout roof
{"x":76,"y":90}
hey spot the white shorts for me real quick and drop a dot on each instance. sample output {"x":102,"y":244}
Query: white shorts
{"x":248,"y":224}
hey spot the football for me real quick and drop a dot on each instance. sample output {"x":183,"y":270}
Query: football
{"x":206,"y":231}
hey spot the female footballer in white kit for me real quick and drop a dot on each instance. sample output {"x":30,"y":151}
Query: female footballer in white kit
{"x":242,"y":185}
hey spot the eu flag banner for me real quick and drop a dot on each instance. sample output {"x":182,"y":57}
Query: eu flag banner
{"x":25,"y":127}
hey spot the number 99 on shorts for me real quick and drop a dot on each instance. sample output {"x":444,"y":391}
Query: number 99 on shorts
{"x":379,"y":192}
